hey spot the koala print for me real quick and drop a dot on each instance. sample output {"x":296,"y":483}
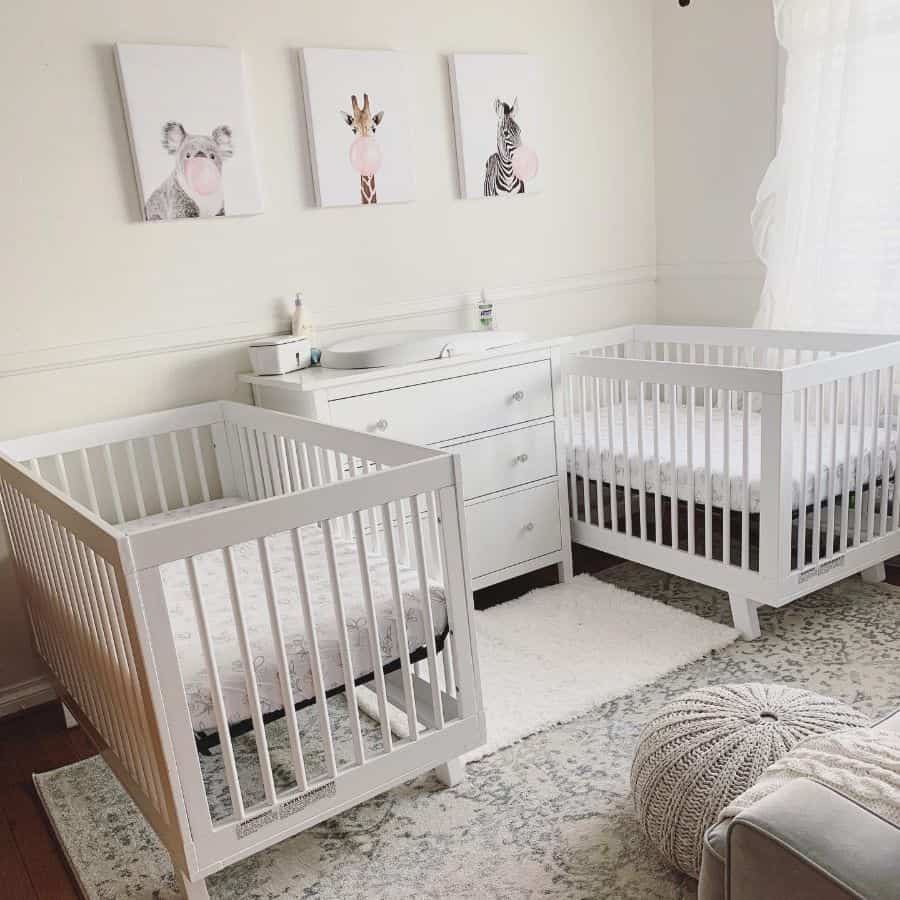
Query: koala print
{"x":195,"y":188}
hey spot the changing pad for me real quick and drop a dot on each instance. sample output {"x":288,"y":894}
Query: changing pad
{"x":214,"y":587}
{"x":600,"y":464}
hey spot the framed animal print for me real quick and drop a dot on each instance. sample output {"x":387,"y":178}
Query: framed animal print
{"x":359,"y":125}
{"x":191,"y":131}
{"x":498,"y":114}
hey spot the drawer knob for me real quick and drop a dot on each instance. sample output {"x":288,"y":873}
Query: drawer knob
{"x":522,"y":458}
{"x":381,"y":425}
{"x":518,"y":396}
{"x":529,"y":526}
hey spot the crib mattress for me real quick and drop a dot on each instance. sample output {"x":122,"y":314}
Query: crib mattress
{"x":601,"y":464}
{"x":217,"y":602}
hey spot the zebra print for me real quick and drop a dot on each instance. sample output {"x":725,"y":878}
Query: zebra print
{"x":499,"y":177}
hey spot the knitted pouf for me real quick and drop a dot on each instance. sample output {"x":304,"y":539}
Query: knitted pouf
{"x":702,"y":750}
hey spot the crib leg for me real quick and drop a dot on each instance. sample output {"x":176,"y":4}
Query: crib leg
{"x":71,"y":721}
{"x":191,"y":890}
{"x":874,"y":574}
{"x":565,"y":570}
{"x":746,"y":616}
{"x":451,"y":773}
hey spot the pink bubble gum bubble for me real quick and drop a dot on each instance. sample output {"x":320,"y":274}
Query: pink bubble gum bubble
{"x":365,"y":155}
{"x":524,"y":163}
{"x":202,"y":175}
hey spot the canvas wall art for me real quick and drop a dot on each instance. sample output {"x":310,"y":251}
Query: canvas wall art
{"x":498,"y":114}
{"x":191,"y":131}
{"x":360,"y":130}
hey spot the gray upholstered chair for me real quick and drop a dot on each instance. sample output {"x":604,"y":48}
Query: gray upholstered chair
{"x":804,"y":842}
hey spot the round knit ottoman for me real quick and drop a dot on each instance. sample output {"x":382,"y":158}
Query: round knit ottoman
{"x":702,"y":750}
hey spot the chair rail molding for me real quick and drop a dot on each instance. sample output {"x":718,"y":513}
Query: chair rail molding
{"x":24,"y":694}
{"x":66,"y":356}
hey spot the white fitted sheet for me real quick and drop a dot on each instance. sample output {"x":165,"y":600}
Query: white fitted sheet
{"x":214,"y":587}
{"x":601,"y":463}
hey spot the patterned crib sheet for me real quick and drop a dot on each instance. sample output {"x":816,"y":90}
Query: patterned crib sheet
{"x":601,"y":464}
{"x":217,"y":602}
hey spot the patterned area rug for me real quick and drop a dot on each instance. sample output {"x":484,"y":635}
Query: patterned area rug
{"x":548,"y":817}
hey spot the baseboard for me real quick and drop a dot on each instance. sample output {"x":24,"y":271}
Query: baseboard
{"x":25,"y":694}
{"x":221,"y":334}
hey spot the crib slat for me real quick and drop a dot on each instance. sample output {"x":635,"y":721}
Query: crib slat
{"x":283,"y":466}
{"x":596,"y":403}
{"x":673,"y":461}
{"x":261,"y":441}
{"x":243,"y":642}
{"x":642,"y":484}
{"x":88,"y":480}
{"x":157,"y":474}
{"x":374,"y":648}
{"x":657,"y":497}
{"x":690,"y":400}
{"x":272,"y":464}
{"x":315,"y":655}
{"x":585,"y":468}
{"x":845,"y":480}
{"x":247,"y":460}
{"x":573,"y":471}
{"x":428,"y":614}
{"x":201,"y":467}
{"x":707,"y":414}
{"x":832,"y":473}
{"x":745,"y":506}
{"x":857,"y":523}
{"x":337,"y":598}
{"x":895,"y":504}
{"x":873,"y":458}
{"x":626,"y":451}
{"x":113,"y":484}
{"x":804,"y":489}
{"x":284,"y":667}
{"x":135,"y":479}
{"x":402,"y":637}
{"x":179,"y":469}
{"x":215,"y":684}
{"x":725,"y":404}
{"x":611,"y":439}
{"x":61,"y":474}
{"x":817,"y":475}
{"x":886,"y":452}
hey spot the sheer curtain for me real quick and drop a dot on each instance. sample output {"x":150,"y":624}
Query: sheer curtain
{"x":827,"y":218}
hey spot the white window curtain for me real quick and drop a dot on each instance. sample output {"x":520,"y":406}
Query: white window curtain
{"x":827,"y":219}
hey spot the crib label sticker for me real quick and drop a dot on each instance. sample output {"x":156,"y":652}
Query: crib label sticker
{"x":284,"y":810}
{"x":823,"y":568}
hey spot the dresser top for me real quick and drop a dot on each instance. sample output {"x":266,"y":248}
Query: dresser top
{"x":318,"y":378}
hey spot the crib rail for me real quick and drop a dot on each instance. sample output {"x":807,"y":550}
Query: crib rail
{"x":785,"y":449}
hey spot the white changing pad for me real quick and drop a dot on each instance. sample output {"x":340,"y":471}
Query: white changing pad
{"x":600,"y":468}
{"x":211,"y":575}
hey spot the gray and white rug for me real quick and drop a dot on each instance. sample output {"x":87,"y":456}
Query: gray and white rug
{"x":548,"y":817}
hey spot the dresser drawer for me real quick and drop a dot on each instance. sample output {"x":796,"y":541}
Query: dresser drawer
{"x":507,"y":460}
{"x":513,"y":529}
{"x":438,"y":411}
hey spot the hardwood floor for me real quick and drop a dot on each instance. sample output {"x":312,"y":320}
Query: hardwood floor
{"x":32,"y":867}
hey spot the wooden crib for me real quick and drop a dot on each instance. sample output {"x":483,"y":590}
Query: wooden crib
{"x":762,"y":463}
{"x":271,"y":564}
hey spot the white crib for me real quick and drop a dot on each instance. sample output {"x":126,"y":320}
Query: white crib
{"x":762,"y":463}
{"x":192,"y":571}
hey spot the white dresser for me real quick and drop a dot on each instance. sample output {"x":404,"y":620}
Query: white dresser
{"x":496,"y":409}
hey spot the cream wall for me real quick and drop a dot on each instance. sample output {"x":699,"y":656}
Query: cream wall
{"x":715,"y":86}
{"x":102,"y":315}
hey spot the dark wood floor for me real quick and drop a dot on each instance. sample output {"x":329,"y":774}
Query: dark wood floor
{"x":31,"y":863}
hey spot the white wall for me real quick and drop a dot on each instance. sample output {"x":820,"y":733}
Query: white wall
{"x":715,"y":74}
{"x":101,"y":315}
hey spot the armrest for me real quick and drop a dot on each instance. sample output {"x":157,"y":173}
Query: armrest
{"x":808,"y":842}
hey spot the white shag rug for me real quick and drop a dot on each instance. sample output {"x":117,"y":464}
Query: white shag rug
{"x":556,"y":653}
